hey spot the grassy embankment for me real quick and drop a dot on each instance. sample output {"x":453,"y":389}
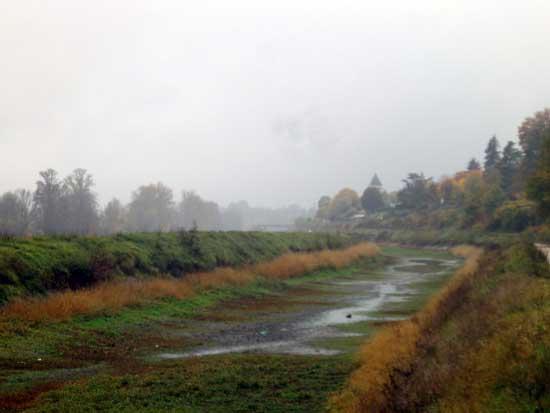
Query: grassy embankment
{"x":112,"y":296}
{"x":481,"y":345}
{"x":41,"y":264}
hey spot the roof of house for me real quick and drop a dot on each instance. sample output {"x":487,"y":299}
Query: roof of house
{"x":375,"y":181}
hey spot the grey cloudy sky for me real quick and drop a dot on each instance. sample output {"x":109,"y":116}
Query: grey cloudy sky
{"x":271,"y":101}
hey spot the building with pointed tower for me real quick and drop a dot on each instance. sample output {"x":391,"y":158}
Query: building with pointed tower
{"x":375,"y":183}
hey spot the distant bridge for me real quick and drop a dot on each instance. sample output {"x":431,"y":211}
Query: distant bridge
{"x":273,"y":228}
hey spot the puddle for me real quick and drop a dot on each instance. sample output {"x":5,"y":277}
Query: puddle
{"x":286,"y":347}
{"x":358,"y":311}
{"x":363,"y":300}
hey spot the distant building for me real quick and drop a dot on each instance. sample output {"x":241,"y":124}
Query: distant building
{"x":375,"y":183}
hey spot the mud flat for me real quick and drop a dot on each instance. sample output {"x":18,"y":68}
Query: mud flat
{"x":323,"y":316}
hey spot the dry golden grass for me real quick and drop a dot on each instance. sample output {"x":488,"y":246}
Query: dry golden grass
{"x":391,"y":352}
{"x":292,"y":265}
{"x":114,"y":295}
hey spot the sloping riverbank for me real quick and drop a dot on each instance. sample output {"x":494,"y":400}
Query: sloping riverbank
{"x":482,"y":345}
{"x":120,"y":361}
{"x":42,"y":264}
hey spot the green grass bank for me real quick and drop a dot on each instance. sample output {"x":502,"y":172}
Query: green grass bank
{"x":41,"y":264}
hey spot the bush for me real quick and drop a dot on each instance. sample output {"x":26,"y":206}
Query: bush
{"x":514,"y":216}
{"x":526,"y":258}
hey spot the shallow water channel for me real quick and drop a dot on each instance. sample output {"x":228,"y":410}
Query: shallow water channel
{"x":339,"y":314}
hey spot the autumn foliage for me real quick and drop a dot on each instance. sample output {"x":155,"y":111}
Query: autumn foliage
{"x":112,"y":296}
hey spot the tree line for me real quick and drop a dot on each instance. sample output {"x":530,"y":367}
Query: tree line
{"x":70,"y":205}
{"x":509,"y":190}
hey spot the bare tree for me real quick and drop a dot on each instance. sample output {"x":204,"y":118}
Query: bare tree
{"x":196,"y":211}
{"x":48,"y":198}
{"x":15,"y":212}
{"x":113,"y":218}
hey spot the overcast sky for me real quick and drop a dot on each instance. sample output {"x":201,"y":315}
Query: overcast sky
{"x":275,"y":102}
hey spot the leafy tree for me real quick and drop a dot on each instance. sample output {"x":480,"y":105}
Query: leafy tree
{"x":373,"y":200}
{"x":492,"y":154}
{"x":450,"y":192}
{"x":515,"y":216}
{"x":343,"y":204}
{"x":113,"y":218}
{"x":151,"y":209}
{"x":538,"y":186}
{"x":323,"y":207}
{"x":473,"y":165}
{"x":530,"y":135}
{"x":509,"y":167}
{"x":419,"y":193}
{"x":48,"y":198}
{"x":493,"y":197}
{"x":197,"y":212}
{"x":482,"y":196}
{"x":81,"y":202}
{"x":15,"y":212}
{"x":474,"y":189}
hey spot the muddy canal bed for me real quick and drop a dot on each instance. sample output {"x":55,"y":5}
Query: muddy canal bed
{"x":322,"y":317}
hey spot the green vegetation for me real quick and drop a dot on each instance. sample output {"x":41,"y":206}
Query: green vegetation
{"x":31,"y":266}
{"x":235,"y":383}
{"x":538,"y":187}
{"x":444,"y":237}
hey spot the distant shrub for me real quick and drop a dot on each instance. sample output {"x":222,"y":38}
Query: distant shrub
{"x":514,"y":216}
{"x":526,"y":258}
{"x":102,"y":266}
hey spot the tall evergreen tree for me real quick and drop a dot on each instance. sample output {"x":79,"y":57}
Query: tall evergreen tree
{"x":530,"y":135}
{"x":492,"y":154}
{"x":509,"y":167}
{"x":373,"y":200}
{"x":473,"y":165}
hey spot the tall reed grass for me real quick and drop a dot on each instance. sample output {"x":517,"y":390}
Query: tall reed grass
{"x":388,"y":357}
{"x":112,"y":296}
